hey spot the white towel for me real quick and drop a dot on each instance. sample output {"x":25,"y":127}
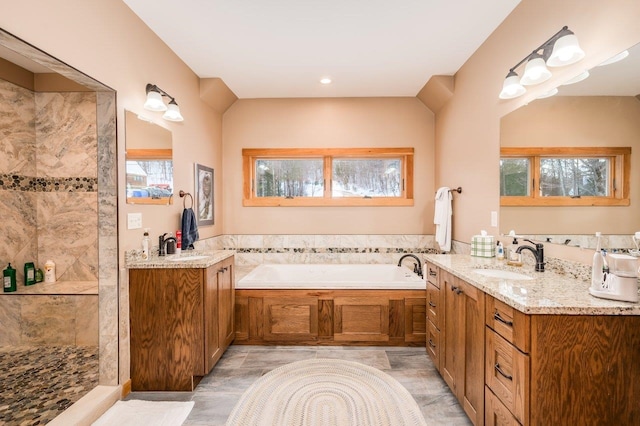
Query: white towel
{"x":442,"y":218}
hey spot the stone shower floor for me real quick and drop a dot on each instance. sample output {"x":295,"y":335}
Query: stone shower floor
{"x":39,"y":383}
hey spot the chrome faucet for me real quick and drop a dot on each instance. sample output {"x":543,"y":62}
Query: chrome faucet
{"x":538,"y":251}
{"x":164,"y":247}
{"x":417,"y":267}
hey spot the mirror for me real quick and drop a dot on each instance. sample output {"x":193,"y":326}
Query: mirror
{"x":149,"y":161}
{"x":601,"y":111}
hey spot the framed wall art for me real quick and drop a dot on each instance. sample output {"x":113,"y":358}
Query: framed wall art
{"x":204,"y":195}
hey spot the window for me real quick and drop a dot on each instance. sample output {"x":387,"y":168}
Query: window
{"x":564,"y":176}
{"x":328,"y":177}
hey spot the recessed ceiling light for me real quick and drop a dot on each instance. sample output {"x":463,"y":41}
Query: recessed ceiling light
{"x":325,"y":80}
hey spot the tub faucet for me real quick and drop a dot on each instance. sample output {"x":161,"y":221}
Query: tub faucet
{"x":164,"y":247}
{"x":417,"y":267}
{"x":538,"y":251}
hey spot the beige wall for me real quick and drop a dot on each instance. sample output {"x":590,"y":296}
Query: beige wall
{"x":467,"y":127}
{"x":324,"y":123}
{"x":578,"y":121}
{"x":106,"y":40}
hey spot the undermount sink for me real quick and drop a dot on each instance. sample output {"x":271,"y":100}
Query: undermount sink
{"x":187,"y":258}
{"x":500,"y":273}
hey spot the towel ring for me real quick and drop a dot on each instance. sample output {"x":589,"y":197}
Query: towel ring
{"x":184,"y":202}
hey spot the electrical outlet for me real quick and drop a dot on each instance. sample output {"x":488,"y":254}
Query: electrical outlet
{"x":134,"y":220}
{"x":494,"y":218}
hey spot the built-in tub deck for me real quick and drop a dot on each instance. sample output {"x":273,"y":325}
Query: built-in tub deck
{"x":382,"y":305}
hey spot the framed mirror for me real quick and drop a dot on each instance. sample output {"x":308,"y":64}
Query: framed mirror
{"x":149,"y":161}
{"x":599,"y":112}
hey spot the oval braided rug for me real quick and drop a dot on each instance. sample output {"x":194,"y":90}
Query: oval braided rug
{"x":326,"y":392}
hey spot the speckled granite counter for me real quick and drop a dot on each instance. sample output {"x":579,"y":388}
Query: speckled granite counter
{"x":190,"y":259}
{"x":547,"y":293}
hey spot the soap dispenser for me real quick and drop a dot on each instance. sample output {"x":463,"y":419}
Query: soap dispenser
{"x":513,"y":257}
{"x":9,"y":279}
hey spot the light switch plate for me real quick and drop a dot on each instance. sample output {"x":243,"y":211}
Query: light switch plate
{"x":134,"y":220}
{"x":494,"y":218}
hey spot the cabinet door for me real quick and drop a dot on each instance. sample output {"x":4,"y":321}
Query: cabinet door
{"x":226,"y":302}
{"x":451,"y":336}
{"x":212,"y":347}
{"x":166,"y":323}
{"x":434,"y":302}
{"x":471,"y":393}
{"x":361,"y":319}
{"x":462,"y":353}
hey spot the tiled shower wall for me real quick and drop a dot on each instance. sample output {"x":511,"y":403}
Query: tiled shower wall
{"x":48,"y":181}
{"x":49,"y":210}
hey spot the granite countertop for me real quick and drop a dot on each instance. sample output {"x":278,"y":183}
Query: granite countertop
{"x":189,"y":259}
{"x":547,"y":293}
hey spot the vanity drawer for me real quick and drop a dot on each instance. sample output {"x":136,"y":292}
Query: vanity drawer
{"x":434,"y":304}
{"x":507,"y":375}
{"x":433,"y":344}
{"x":509,"y":323}
{"x":431,"y":272}
{"x":495,"y":413}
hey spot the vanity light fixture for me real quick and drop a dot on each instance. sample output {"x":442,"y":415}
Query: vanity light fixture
{"x":584,"y":74}
{"x":155,"y":102}
{"x":560,"y":50}
{"x":620,"y":56}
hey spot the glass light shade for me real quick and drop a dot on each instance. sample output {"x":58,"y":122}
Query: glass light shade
{"x":511,"y":88}
{"x":548,"y":94}
{"x":577,"y":78}
{"x":173,"y":112}
{"x":620,"y":56}
{"x":154,"y":102}
{"x":566,"y":51}
{"x":535,"y":72}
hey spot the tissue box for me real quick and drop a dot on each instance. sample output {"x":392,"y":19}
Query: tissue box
{"x":483,"y":246}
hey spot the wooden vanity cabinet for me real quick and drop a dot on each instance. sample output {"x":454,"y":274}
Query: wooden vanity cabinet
{"x":180,"y":323}
{"x":535,"y":369}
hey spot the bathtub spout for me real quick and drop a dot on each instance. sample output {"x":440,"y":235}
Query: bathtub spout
{"x":417,"y":267}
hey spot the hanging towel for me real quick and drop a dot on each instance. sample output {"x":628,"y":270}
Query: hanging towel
{"x":442,"y":218}
{"x":189,"y":229}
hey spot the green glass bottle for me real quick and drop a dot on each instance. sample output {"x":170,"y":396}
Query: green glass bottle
{"x":9,"y":279}
{"x":29,"y":273}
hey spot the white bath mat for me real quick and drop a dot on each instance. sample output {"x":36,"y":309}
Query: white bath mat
{"x":142,"y":413}
{"x":328,"y":392}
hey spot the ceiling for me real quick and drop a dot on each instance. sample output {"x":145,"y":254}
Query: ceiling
{"x":282,"y":48}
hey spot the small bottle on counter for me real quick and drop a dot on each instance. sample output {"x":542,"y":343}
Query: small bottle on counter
{"x":145,"y":244}
{"x":178,"y":242}
{"x":29,"y":273}
{"x":9,"y":279}
{"x":49,"y":272}
{"x":500,"y":251}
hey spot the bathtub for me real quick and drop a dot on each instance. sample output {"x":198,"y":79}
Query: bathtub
{"x":331,"y":277}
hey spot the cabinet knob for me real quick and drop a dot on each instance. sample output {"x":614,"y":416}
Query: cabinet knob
{"x":433,"y":305}
{"x":432,"y":272}
{"x":433,"y":345}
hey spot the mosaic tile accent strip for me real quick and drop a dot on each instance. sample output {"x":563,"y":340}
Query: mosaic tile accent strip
{"x":13,"y":182}
{"x":39,"y":383}
{"x":317,"y":250}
